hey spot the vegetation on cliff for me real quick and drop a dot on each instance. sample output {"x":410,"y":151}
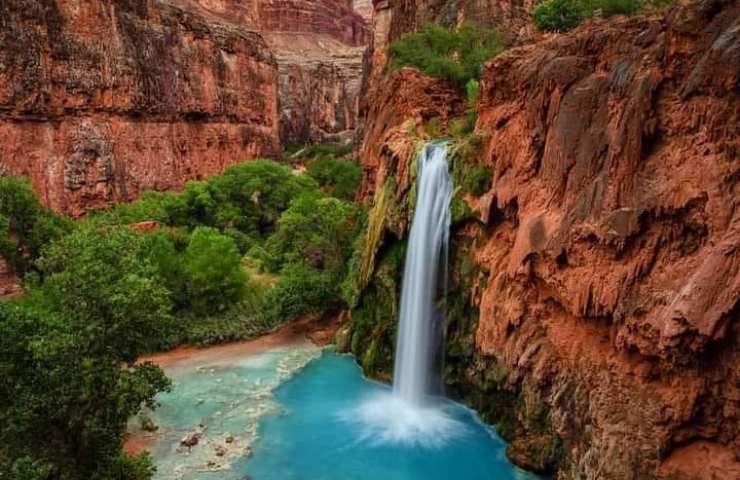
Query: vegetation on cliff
{"x":454,"y":54}
{"x":564,"y":15}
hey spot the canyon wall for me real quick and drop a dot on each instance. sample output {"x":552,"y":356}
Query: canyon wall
{"x":319,"y":47}
{"x":102,"y":99}
{"x":594,"y":304}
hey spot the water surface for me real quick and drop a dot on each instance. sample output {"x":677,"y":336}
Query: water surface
{"x":300,"y":413}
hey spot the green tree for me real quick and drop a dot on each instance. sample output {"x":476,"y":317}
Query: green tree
{"x":215,"y":278}
{"x":248,"y":197}
{"x":68,"y":381}
{"x":25,"y":226}
{"x":317,"y":231}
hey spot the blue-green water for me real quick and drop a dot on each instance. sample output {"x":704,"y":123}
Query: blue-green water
{"x":323,"y":421}
{"x":316,"y":437}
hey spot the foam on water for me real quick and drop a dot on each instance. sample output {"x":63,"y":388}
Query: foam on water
{"x":386,"y":418}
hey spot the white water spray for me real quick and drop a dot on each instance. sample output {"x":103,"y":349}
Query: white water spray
{"x":421,"y":323}
{"x":410,"y":415}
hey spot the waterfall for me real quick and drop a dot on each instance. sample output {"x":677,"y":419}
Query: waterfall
{"x":421,"y":323}
{"x":412,"y":414}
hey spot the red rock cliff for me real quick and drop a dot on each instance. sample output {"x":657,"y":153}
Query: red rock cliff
{"x":609,"y":243}
{"x":102,"y":99}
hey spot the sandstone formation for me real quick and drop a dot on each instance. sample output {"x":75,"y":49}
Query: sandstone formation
{"x":595,"y":305}
{"x":319,"y":47}
{"x":335,"y":18}
{"x":319,"y":87}
{"x":100,"y":100}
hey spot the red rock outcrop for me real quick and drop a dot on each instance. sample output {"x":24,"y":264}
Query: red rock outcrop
{"x":319,"y":85}
{"x":102,"y":99}
{"x":398,"y":110}
{"x":609,"y":242}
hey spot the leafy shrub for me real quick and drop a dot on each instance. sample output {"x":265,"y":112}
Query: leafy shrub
{"x":340,"y":177}
{"x":453,"y":54}
{"x":564,"y":15}
{"x":477,"y":180}
{"x":472,"y":90}
{"x":215,"y":279}
{"x":558,"y":15}
{"x":243,"y":320}
{"x":25,"y":226}
{"x":301,"y":290}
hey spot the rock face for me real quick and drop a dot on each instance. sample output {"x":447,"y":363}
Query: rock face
{"x":319,"y":47}
{"x":319,"y":85}
{"x":335,"y":18}
{"x":100,"y":100}
{"x":595,"y":305}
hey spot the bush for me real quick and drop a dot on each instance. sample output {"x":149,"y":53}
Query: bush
{"x":477,"y":180}
{"x":243,"y":320}
{"x":301,"y":290}
{"x":558,"y":15}
{"x":215,"y":278}
{"x":25,"y":226}
{"x":453,"y":54}
{"x":564,"y":15}
{"x":339,"y":177}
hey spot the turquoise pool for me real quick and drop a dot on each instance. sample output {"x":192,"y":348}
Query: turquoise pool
{"x":306,"y":414}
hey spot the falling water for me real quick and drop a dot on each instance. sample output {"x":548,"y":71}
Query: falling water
{"x":421,"y":322}
{"x":412,"y":414}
